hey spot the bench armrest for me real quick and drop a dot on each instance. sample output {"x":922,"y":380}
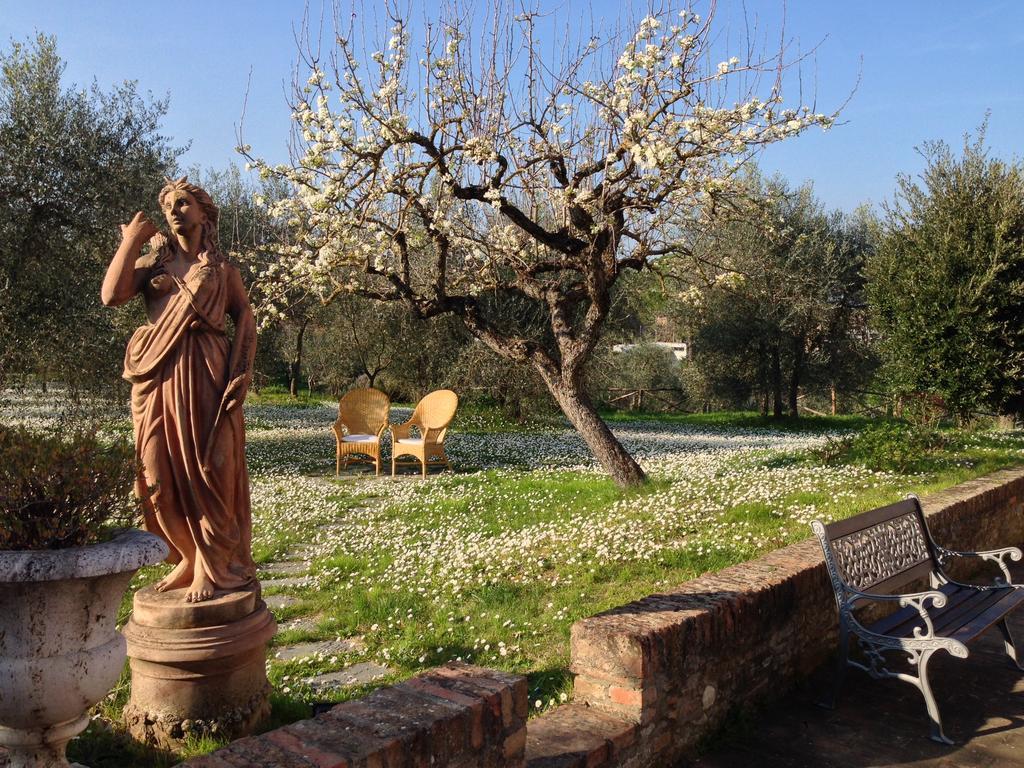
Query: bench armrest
{"x":997,"y":556}
{"x":874,"y":644}
{"x":938,"y":599}
{"x":916,"y":600}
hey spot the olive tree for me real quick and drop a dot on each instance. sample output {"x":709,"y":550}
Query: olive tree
{"x":73,"y":161}
{"x":251,"y":238}
{"x":479,"y":167}
{"x":946,"y":285}
{"x":775,"y":297}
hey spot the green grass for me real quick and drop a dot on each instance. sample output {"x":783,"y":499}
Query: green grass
{"x":479,"y":418}
{"x":275,"y":394}
{"x":531,"y":621}
{"x":524,"y":627}
{"x":743,"y":420}
{"x":502,"y":501}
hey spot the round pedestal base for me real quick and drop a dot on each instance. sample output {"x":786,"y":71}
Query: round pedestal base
{"x":197,"y":669}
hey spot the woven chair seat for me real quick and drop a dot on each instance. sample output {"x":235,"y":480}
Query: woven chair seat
{"x":360,"y":439}
{"x":411,"y":441}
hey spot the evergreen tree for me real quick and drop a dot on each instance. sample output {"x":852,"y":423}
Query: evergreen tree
{"x":947,"y":283}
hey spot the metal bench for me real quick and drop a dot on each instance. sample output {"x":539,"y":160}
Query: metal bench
{"x":873,"y":555}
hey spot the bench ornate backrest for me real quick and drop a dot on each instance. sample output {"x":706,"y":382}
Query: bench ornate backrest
{"x":878,"y":551}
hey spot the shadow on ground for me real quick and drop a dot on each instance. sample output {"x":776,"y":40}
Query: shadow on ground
{"x":883,"y":723}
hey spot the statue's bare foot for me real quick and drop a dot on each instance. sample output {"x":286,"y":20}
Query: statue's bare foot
{"x":202,"y":589}
{"x":177,"y":578}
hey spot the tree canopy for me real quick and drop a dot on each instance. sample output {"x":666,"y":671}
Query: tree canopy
{"x":72,"y":163}
{"x":775,"y":297}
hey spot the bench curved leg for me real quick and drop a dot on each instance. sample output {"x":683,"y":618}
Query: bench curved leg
{"x":929,"y":699}
{"x":1009,"y":644}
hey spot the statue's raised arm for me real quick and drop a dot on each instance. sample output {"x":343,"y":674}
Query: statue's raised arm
{"x":124,"y":276}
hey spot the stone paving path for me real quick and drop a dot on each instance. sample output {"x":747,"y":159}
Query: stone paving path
{"x":285,"y":581}
{"x":291,"y":572}
{"x":357,"y":674}
{"x":320,"y":648}
{"x":883,"y":723}
{"x":276,"y":602}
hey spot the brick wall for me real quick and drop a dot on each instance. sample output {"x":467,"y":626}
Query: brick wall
{"x":457,"y":716}
{"x":674,"y":665}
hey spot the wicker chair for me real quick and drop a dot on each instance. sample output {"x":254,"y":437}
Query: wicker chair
{"x":362,"y":419}
{"x":431,"y":418}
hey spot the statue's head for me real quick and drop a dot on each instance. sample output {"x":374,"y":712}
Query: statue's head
{"x":187,"y":206}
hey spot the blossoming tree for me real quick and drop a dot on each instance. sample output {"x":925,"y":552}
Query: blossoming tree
{"x":483,"y":174}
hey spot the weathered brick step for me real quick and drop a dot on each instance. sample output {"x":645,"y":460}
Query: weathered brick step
{"x":576,"y":736}
{"x":457,"y":716}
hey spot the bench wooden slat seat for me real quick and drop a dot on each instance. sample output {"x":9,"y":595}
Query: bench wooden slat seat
{"x":871,"y":557}
{"x":967,"y":614}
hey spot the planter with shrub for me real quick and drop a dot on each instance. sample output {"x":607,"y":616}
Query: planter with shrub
{"x":64,"y":568}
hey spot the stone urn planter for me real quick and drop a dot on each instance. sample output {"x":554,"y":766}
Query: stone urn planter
{"x":60,"y":651}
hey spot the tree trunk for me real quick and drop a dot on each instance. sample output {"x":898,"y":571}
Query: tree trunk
{"x":776,"y":383}
{"x":794,"y":379}
{"x":563,"y":376}
{"x":606,"y":448}
{"x":833,"y":393}
{"x":295,"y":366}
{"x":762,"y":380}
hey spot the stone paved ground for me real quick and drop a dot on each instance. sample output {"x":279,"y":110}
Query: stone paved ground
{"x":292,"y":571}
{"x":884,"y":723}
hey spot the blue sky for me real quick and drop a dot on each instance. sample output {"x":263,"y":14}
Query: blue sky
{"x":927,"y":70}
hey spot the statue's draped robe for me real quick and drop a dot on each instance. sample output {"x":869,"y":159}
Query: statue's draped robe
{"x":193,"y":482}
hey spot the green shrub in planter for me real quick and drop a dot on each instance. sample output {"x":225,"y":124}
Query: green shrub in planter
{"x":60,"y":651}
{"x":60,"y":491}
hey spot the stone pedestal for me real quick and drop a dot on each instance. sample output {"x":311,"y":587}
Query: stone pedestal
{"x":197,"y":668}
